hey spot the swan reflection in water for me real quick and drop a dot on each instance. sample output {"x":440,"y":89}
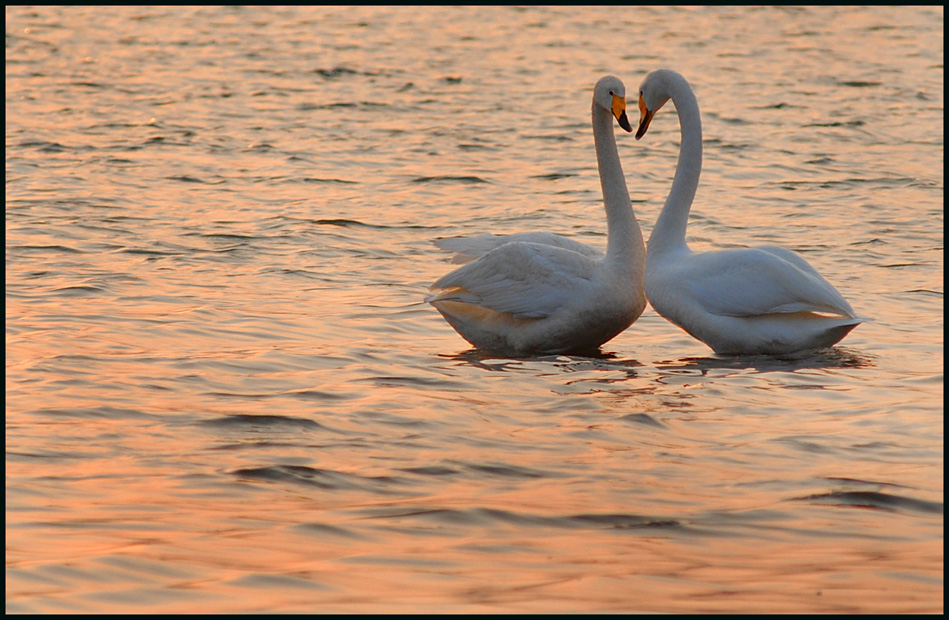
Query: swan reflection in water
{"x":633,"y":378}
{"x":827,"y":358}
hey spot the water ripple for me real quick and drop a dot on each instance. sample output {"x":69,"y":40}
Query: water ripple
{"x":873,"y":499}
{"x":325,"y":479}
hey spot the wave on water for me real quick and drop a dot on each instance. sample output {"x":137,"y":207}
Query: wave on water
{"x":488,"y":517}
{"x":449,"y":178}
{"x":875,"y":500}
{"x":327,"y":479}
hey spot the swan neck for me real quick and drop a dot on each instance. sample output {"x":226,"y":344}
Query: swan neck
{"x":624,"y":238}
{"x":670,"y":229}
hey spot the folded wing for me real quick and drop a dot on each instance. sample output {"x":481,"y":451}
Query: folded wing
{"x":523,"y":279}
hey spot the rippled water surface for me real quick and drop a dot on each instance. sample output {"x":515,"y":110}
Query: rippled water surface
{"x":225,"y":394}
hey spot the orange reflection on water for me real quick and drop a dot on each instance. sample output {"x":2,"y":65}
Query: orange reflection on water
{"x":225,"y":393}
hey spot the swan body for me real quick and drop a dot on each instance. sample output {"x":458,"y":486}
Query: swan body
{"x":540,"y":293}
{"x":764,"y":300}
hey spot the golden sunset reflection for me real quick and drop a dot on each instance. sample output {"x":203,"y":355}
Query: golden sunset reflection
{"x":226,"y":394}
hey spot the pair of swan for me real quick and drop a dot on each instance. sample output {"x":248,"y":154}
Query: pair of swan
{"x":535,"y":293}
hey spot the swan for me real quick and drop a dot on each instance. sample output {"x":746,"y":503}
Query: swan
{"x":764,"y":300}
{"x":540,"y":293}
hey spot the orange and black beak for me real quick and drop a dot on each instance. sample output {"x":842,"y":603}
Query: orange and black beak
{"x":619,"y":111}
{"x":645,"y":117}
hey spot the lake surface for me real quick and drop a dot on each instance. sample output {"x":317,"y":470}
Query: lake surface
{"x":225,"y":394}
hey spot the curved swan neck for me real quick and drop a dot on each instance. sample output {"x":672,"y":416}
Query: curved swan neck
{"x":670,"y":228}
{"x":624,"y":238}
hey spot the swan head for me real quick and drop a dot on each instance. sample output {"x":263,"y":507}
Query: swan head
{"x":610,"y":94}
{"x":654,"y":92}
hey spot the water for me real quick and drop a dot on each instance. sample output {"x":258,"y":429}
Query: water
{"x":225,"y":395}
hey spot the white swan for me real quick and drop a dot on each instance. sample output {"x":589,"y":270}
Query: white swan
{"x":536,"y":293}
{"x":764,"y":300}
